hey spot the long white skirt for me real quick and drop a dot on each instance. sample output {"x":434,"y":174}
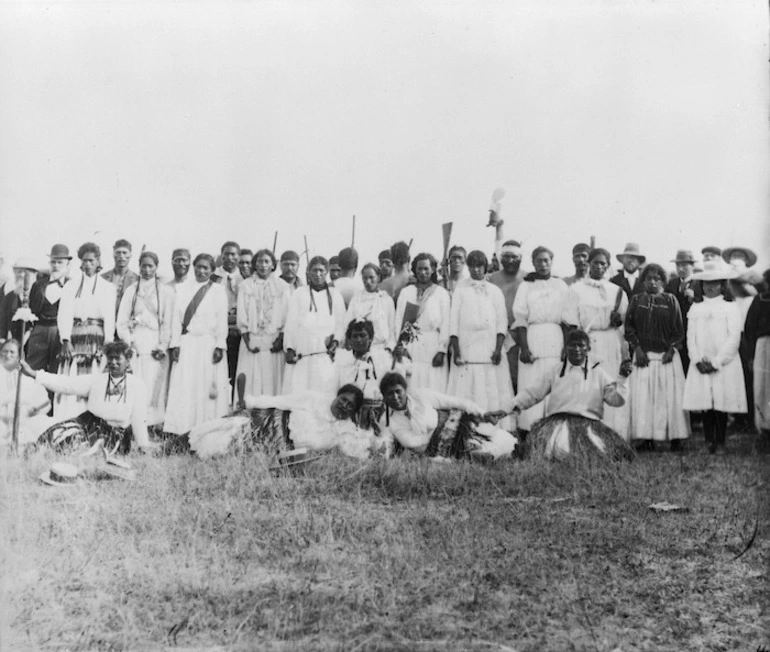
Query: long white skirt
{"x":424,"y":374}
{"x":487,"y":384}
{"x":199,"y":389}
{"x":724,"y":390}
{"x":762,"y":383}
{"x":606,"y":348}
{"x":153,"y":372}
{"x":656,"y":392}
{"x":263,"y":370}
{"x":540,"y":338}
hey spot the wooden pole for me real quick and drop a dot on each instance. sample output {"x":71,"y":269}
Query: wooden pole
{"x":353,"y":240}
{"x":593,"y":242}
{"x":307,"y":251}
{"x":275,"y":242}
{"x":17,"y":405}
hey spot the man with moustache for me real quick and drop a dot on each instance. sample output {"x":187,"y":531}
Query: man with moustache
{"x":385,"y":260}
{"x":180,"y":263}
{"x":120,"y":276}
{"x":229,"y":277}
{"x":628,"y":277}
{"x":580,"y":260}
{"x":508,"y":279}
{"x":289,"y":268}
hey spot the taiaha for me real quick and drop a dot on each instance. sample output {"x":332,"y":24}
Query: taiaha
{"x":592,"y":240}
{"x":353,"y":239}
{"x":275,"y":242}
{"x":446,"y":234}
{"x":307,"y":251}
{"x":17,"y":404}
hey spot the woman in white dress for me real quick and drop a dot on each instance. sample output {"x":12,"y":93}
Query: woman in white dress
{"x":426,"y":306}
{"x":538,"y":310}
{"x":199,"y":388}
{"x":477,"y":326}
{"x":375,"y":305}
{"x":263,"y":300}
{"x":599,"y":307}
{"x":316,"y":314}
{"x":714,"y":384}
{"x":144,"y":322}
{"x":86,"y":322}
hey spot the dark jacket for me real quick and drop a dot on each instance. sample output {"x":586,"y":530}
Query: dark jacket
{"x":620,"y":280}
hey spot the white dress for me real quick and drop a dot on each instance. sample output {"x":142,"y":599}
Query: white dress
{"x":539,"y":307}
{"x":262,"y":306}
{"x":714,"y":333}
{"x":379,"y":309}
{"x":144,"y":322}
{"x":477,"y":317}
{"x":199,"y":389}
{"x":313,"y":318}
{"x":432,"y":335}
{"x":32,"y":396}
{"x":589,"y":306}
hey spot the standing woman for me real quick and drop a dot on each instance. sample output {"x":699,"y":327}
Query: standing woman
{"x":654,"y":332}
{"x":477,"y":325}
{"x":376,"y":306}
{"x":598,"y":307}
{"x":262,"y":304}
{"x":427,"y":305}
{"x":715,"y":380}
{"x":316,"y":313}
{"x":538,"y":310}
{"x":86,"y":322}
{"x":144,"y":322}
{"x":199,"y":389}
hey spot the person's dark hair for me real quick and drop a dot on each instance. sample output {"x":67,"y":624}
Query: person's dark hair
{"x":318,"y":260}
{"x":433,"y":265}
{"x":357,"y":393}
{"x":11,"y":340}
{"x":511,"y":243}
{"x":258,"y":255}
{"x":360,"y":325}
{"x":399,"y":253}
{"x":230,"y":243}
{"x":385,"y":255}
{"x":766,"y":277}
{"x":117,"y":347}
{"x":151,"y":255}
{"x":334,"y":260}
{"x":599,"y":251}
{"x":578,"y":335}
{"x":376,"y":269}
{"x":541,"y":250}
{"x":290,"y":255}
{"x":581,"y":247}
{"x":248,"y":252}
{"x":476,"y":258}
{"x":89,"y":248}
{"x":207,"y":257}
{"x":649,"y":269}
{"x":125,"y":244}
{"x":454,"y":248}
{"x":391,"y":379}
{"x":348,"y":259}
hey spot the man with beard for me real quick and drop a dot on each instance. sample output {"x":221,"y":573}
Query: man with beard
{"x":289,"y":269}
{"x":180,"y":262}
{"x":508,"y":279}
{"x":628,"y":277}
{"x":580,"y":260}
{"x":386,"y":264}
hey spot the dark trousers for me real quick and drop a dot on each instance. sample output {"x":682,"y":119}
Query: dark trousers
{"x":43,"y":348}
{"x":715,"y":427}
{"x":748,"y":374}
{"x":233,"y":344}
{"x":513,"y":365}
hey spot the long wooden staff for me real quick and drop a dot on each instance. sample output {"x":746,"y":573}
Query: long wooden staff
{"x":353,"y":239}
{"x":17,"y":404}
{"x":275,"y":242}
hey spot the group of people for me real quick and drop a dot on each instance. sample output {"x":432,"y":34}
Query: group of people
{"x":404,"y":354}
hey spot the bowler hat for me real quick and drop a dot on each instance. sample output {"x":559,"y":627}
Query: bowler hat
{"x":632,"y":249}
{"x":751,"y":257}
{"x":684,"y":256}
{"x":60,"y":251}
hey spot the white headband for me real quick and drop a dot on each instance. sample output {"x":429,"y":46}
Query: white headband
{"x":511,"y":249}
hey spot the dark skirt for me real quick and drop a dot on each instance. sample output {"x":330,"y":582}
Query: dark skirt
{"x":561,"y":436}
{"x":84,"y":431}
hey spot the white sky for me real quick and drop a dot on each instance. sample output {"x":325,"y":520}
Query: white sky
{"x":190,"y":123}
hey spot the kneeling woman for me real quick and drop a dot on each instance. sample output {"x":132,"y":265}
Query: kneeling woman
{"x":412,"y":421}
{"x":577,"y":393}
{"x":116,"y":404}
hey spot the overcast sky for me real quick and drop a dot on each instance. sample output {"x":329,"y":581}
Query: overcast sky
{"x":190,"y":123}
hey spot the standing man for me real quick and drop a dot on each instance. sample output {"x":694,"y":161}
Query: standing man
{"x":348,"y":283}
{"x":25,"y":275}
{"x":44,"y":346}
{"x":508,"y":279}
{"x":229,"y":276}
{"x":244,"y":262}
{"x":580,"y":260}
{"x":290,"y":269}
{"x":386,"y":264}
{"x":120,"y":276}
{"x":399,"y":254}
{"x":628,"y":277}
{"x":458,"y":272}
{"x":682,"y":288}
{"x":711,"y":253}
{"x":180,"y":263}
{"x":335,"y":271}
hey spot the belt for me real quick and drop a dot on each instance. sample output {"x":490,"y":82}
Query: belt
{"x":89,"y":322}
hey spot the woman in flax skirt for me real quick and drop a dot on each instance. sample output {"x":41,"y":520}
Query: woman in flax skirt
{"x":426,"y":307}
{"x":715,"y":381}
{"x":654,"y":331}
{"x":86,"y":322}
{"x":144,"y":322}
{"x":199,"y":389}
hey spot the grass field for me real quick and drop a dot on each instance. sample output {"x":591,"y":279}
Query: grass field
{"x":399,"y":555}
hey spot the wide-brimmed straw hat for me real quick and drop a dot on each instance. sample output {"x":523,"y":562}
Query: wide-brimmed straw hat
{"x":26,"y":263}
{"x":60,"y":474}
{"x":751,"y":257}
{"x":632,"y":249}
{"x":684,"y":256}
{"x":715,"y":270}
{"x":295,"y":458}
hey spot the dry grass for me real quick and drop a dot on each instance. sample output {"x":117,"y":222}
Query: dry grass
{"x":400,"y":555}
